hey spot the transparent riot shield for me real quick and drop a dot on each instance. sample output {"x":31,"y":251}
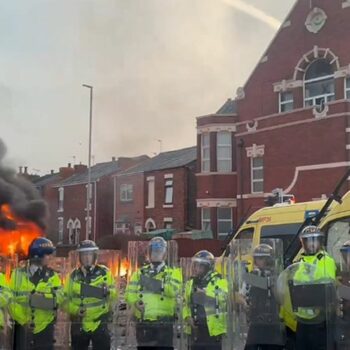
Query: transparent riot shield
{"x":60,"y":265}
{"x":6,"y":326}
{"x":152,"y":295}
{"x":206,"y":305}
{"x":36,"y":297}
{"x":91,"y":294}
{"x":342,"y":318}
{"x":255,"y":271}
{"x":310,"y":286}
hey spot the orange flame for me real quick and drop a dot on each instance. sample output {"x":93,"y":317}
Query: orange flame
{"x":124,"y":267}
{"x":18,"y":240}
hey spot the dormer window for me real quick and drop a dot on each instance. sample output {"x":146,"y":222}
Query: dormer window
{"x":319,"y":83}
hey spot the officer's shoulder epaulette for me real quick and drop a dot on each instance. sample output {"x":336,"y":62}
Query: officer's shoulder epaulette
{"x":321,"y":255}
{"x":50,"y":272}
{"x":101,"y":270}
{"x":75,"y":273}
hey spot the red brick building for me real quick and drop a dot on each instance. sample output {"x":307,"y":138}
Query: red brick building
{"x":159,"y":193}
{"x":289,"y":125}
{"x":67,"y":199}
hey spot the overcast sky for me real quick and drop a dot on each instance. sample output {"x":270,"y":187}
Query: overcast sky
{"x":155,"y":65}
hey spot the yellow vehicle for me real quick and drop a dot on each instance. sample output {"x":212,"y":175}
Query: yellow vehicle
{"x":280,"y":221}
{"x":336,"y":226}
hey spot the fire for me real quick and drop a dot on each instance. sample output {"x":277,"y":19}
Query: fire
{"x":124,"y":267}
{"x":16,"y":239}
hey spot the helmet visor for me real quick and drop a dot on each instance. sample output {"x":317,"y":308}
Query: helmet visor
{"x":199,"y":268}
{"x":87,"y":259}
{"x":345,"y":260}
{"x":312,"y":244}
{"x":157,"y":251}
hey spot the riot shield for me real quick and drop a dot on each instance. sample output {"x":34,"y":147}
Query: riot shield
{"x":6,"y":326}
{"x":206,"y":305}
{"x":36,"y":296}
{"x":310,"y":288}
{"x":342,"y":317}
{"x":255,"y":271}
{"x":152,"y":295}
{"x":91,"y":300}
{"x":61,"y":331}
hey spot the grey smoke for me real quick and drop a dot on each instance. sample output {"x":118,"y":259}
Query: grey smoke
{"x":21,"y":195}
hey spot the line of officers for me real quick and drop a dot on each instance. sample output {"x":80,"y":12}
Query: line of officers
{"x":192,"y":307}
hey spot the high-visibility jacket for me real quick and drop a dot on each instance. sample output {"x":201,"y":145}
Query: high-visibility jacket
{"x":89,"y":310}
{"x":47,"y":286}
{"x":215,"y":306}
{"x":323,"y":270}
{"x":156,"y":290}
{"x":5,"y":298}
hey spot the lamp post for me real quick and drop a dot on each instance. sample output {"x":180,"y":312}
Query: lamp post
{"x":88,"y":196}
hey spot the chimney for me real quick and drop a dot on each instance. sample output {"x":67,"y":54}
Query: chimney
{"x":80,"y":168}
{"x":113,"y":159}
{"x":127,"y":162}
{"x":69,"y":165}
{"x":52,"y":171}
{"x":25,"y":170}
{"x":66,"y":172}
{"x":20,"y":169}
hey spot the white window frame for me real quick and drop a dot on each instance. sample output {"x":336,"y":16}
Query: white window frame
{"x":347,"y":88}
{"x":223,"y":234}
{"x":283,"y":103}
{"x":151,"y":192}
{"x":225,"y":146}
{"x":205,"y":221}
{"x":126,"y":193}
{"x":60,"y":229}
{"x":327,"y":97}
{"x":252,"y":168}
{"x":203,"y":148}
{"x":61,"y":199}
{"x":169,"y":186}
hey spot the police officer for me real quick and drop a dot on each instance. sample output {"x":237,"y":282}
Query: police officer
{"x":90,"y":294}
{"x":312,"y":332}
{"x":266,"y":331}
{"x":342,"y":332}
{"x":152,"y":296}
{"x":5,"y":298}
{"x":37,"y":292}
{"x":206,"y":303}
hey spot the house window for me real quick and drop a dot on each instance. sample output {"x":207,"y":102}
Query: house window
{"x":126,"y":193}
{"x":205,"y":152}
{"x":60,"y":230}
{"x":206,"y":224}
{"x":169,"y":191}
{"x":70,"y":227}
{"x":168,"y":223}
{"x":224,"y":221}
{"x":150,"y":187}
{"x":286,"y":101}
{"x":257,"y":174}
{"x":60,"y":198}
{"x":347,"y":88}
{"x":224,"y":151}
{"x":319,"y":83}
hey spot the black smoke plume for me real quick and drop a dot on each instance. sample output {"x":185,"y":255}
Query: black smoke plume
{"x":21,"y":195}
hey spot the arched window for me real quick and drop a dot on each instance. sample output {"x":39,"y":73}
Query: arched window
{"x":319,"y":83}
{"x":76,"y":231}
{"x":150,"y":225}
{"x":70,"y":227}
